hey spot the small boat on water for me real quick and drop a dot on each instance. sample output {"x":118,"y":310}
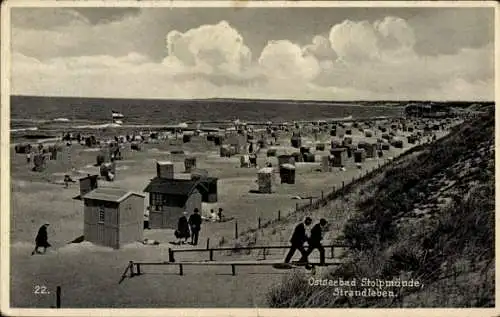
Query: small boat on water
{"x":117,"y":118}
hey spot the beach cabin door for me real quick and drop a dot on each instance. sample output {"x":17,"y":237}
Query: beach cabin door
{"x":166,"y":221}
{"x":155,"y":219}
{"x":107,"y":234}
{"x":101,"y":232}
{"x":158,"y":219}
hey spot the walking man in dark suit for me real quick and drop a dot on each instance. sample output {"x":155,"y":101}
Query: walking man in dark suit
{"x":41,"y":239}
{"x":195,"y":224}
{"x":299,"y":236}
{"x":315,"y":240}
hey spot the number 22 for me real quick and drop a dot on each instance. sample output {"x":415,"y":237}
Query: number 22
{"x":40,"y":290}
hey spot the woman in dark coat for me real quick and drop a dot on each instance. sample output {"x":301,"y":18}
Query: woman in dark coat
{"x":41,"y":239}
{"x":182,"y":231}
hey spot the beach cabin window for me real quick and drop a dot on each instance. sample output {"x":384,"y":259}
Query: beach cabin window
{"x":156,"y":201}
{"x":153,"y":199}
{"x":101,"y":214}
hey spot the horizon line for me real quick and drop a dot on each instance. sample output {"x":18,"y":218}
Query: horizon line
{"x":262,"y":99}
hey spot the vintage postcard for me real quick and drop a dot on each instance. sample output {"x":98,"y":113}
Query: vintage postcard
{"x":198,"y":158}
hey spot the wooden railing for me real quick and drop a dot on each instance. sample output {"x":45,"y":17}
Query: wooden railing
{"x":134,"y":268}
{"x":171,"y":252}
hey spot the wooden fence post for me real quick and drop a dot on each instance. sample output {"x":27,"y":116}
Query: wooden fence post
{"x":131,"y":264}
{"x":343,"y":185}
{"x":208,"y":243}
{"x":296,"y":206}
{"x":58,"y":297}
{"x":236,"y":229}
{"x":310,"y":202}
{"x":171,"y":255}
{"x":322,"y":195}
{"x":258,"y":225}
{"x":279,"y":215}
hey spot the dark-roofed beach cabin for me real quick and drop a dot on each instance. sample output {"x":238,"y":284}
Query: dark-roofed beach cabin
{"x":113,"y":217}
{"x":208,"y":189}
{"x":169,"y":198}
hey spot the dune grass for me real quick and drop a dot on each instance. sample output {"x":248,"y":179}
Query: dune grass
{"x":448,"y":248}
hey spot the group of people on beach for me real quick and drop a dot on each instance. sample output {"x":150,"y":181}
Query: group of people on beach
{"x":216,"y":216}
{"x":188,"y":228}
{"x":300,"y":237}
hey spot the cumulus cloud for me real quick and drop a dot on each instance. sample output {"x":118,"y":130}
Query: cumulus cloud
{"x":209,"y":48}
{"x":108,"y":76}
{"x":285,"y":61}
{"x":357,"y":60}
{"x":320,"y":48}
{"x":414,"y":78}
{"x":395,"y":33}
{"x":68,"y":77}
{"x":353,"y":41}
{"x":389,"y":39}
{"x":380,"y":58}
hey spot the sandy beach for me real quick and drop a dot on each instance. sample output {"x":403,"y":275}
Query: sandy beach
{"x":40,"y":197}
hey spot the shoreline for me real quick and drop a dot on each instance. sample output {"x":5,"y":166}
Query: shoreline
{"x":223,"y":126}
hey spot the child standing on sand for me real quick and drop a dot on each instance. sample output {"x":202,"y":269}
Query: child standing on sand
{"x":219,"y":215}
{"x":213,"y":216}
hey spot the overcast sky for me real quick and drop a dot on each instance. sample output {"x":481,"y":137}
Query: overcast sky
{"x":304,"y":53}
